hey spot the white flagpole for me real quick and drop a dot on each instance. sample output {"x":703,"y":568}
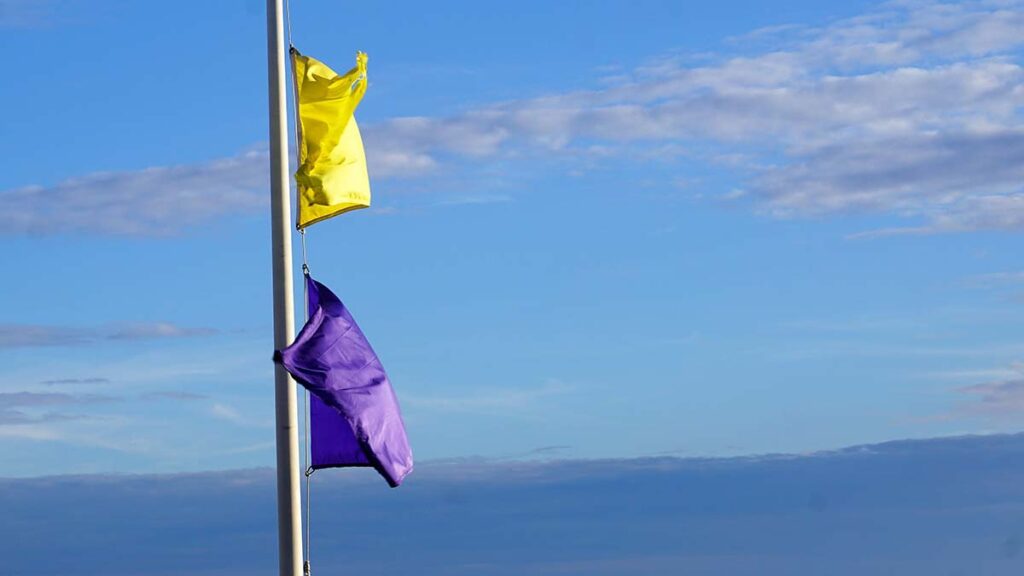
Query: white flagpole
{"x":289,"y":523}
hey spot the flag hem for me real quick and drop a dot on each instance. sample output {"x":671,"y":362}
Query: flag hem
{"x":309,"y":223}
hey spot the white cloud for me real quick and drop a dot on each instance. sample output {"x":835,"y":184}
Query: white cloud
{"x":163,"y":200}
{"x":233,"y":416}
{"x":30,"y":432}
{"x":159,"y":200}
{"x":33,"y":336}
{"x":19,"y":411}
{"x":960,"y":180}
{"x":66,"y":381}
{"x":1001,"y":397}
{"x":476,"y":199}
{"x":174,"y":395}
{"x":145,"y":331}
{"x":36,"y":399}
{"x":911,"y":110}
{"x":1014,"y":370}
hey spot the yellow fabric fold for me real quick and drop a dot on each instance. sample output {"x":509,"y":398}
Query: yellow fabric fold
{"x":332,"y":176}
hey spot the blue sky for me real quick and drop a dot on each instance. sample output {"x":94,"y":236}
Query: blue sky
{"x":600,"y":229}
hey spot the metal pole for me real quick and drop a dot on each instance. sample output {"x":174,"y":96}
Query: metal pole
{"x":289,"y":521}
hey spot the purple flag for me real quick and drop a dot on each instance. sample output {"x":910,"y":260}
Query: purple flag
{"x":354,"y":414}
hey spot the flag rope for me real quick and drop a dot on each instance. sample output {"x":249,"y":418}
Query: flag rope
{"x":288,"y":20}
{"x":305,"y":406}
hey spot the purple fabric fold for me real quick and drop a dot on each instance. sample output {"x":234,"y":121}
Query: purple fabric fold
{"x":354,"y":414}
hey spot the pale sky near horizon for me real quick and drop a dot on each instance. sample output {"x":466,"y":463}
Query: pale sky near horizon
{"x":600,"y":229}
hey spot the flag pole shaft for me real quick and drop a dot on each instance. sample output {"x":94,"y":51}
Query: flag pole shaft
{"x":289,"y":525}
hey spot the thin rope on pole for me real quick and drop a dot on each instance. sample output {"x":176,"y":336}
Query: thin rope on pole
{"x":305,"y":564}
{"x":297,"y":133}
{"x":306,"y":440}
{"x":288,"y":20}
{"x":305,"y":261}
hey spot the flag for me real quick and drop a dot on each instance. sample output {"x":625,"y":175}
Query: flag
{"x":354,"y":416}
{"x":332,"y":444}
{"x":332,"y":176}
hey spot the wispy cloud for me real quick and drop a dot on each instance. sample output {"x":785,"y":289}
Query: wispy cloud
{"x":176,"y":395}
{"x":553,"y":451}
{"x":1009,"y":285}
{"x":27,"y":13}
{"x":27,"y":336}
{"x":65,"y":381}
{"x":476,"y":199}
{"x":491,"y":400}
{"x":161,"y":200}
{"x":234,"y":416}
{"x":158,"y":200}
{"x":853,"y":348}
{"x":1012,"y":371}
{"x":21,"y":418}
{"x":1003,"y":397}
{"x":33,"y":399}
{"x":994,"y":279}
{"x":155,"y":330}
{"x":912,"y":110}
{"x":21,"y":409}
{"x":33,"y":430}
{"x":31,"y":336}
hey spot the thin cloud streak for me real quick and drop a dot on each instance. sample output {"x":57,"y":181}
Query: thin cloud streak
{"x":176,"y":395}
{"x":233,"y":416}
{"x":35,"y":336}
{"x":32,"y":399}
{"x":21,"y":418}
{"x":14,"y":417}
{"x":996,"y":279}
{"x":476,"y":199}
{"x":1002,"y":397}
{"x":153,"y":201}
{"x":27,"y":14}
{"x":491,"y":400}
{"x":65,"y":381}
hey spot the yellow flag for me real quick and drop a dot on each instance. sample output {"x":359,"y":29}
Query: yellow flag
{"x":332,"y":176}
